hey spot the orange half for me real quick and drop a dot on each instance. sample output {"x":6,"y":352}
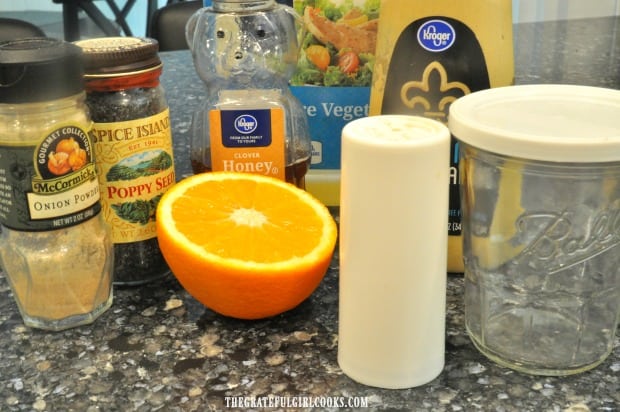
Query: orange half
{"x":246,"y":246}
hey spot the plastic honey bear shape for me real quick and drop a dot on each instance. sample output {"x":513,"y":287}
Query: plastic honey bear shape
{"x":246,"y":52}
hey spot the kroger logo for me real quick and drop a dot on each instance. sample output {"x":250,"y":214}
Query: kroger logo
{"x":436,"y":35}
{"x":245,"y":124}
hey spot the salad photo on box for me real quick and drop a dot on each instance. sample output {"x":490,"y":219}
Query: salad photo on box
{"x":332,"y":80}
{"x":339,"y":46}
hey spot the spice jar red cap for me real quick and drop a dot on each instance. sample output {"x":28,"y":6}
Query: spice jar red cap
{"x":114,"y":56}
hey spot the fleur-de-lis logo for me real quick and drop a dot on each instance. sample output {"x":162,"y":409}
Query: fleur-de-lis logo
{"x":432,"y":95}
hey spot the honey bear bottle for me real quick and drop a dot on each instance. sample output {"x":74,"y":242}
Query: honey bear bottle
{"x":249,"y":121}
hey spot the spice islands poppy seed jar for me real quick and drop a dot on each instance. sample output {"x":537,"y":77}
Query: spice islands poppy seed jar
{"x":133,"y":142}
{"x":55,"y":249}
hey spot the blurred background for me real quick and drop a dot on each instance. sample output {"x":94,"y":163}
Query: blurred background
{"x":48,"y":14}
{"x":542,"y":10}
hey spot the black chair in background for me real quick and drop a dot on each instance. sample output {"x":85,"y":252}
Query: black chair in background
{"x":117,"y":27}
{"x":167,"y":24}
{"x":11,"y":29}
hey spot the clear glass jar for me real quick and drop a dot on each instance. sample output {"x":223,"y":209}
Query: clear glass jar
{"x":540,"y":170}
{"x":541,"y":279}
{"x":55,"y":249}
{"x":133,"y":142}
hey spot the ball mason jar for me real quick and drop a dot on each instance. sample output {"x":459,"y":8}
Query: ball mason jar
{"x":540,"y":193}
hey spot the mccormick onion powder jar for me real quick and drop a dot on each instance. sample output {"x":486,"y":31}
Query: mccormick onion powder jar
{"x":55,"y":249}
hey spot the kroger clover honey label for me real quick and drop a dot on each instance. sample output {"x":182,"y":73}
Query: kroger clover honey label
{"x":430,"y":53}
{"x":135,"y":166}
{"x":249,"y":141}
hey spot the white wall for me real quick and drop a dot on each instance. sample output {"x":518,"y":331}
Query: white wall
{"x":8,"y":5}
{"x":136,"y":17}
{"x":538,"y":10}
{"x":523,"y":10}
{"x":48,"y":5}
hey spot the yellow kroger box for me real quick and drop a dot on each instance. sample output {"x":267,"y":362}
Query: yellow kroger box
{"x":333,"y":79}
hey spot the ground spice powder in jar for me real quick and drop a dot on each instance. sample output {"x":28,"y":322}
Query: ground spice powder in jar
{"x":61,"y":284}
{"x":133,"y":145}
{"x":55,"y":248}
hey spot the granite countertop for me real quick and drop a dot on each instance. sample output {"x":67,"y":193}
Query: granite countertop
{"x":159,"y":349}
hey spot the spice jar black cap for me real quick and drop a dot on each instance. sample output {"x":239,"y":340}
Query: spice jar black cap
{"x":116,"y":56}
{"x":39,"y":69}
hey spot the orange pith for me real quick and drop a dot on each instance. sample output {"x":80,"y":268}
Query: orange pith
{"x":246,"y":246}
